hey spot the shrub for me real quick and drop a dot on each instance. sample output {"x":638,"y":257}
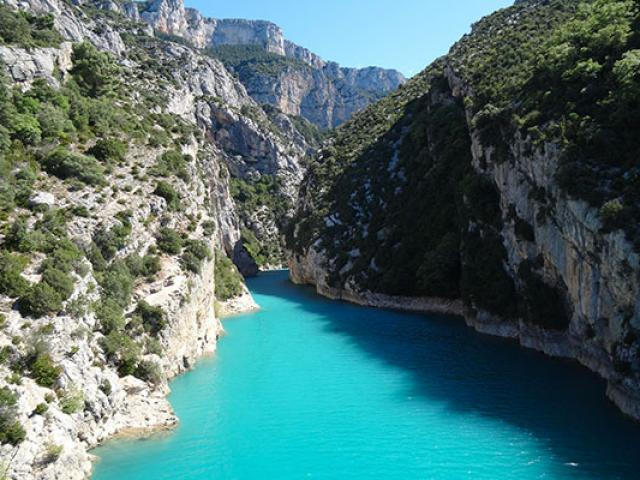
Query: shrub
{"x":110,"y":316}
{"x":44,"y":371}
{"x":52,"y":453}
{"x":12,"y":283}
{"x":169,"y":241}
{"x":11,"y":430}
{"x":228,"y":281}
{"x":96,"y":73}
{"x":59,"y":281}
{"x":26,"y":128}
{"x":166,"y":191}
{"x":41,"y":409}
{"x":208,"y":228}
{"x":123,"y":351}
{"x":65,"y":164}
{"x":109,"y":242}
{"x":40,"y":300}
{"x":172,"y":162}
{"x":72,"y":402}
{"x":149,"y":372}
{"x":153,"y":318}
{"x":109,"y":150}
{"x":117,"y":284}
{"x":194,"y":254}
{"x":27,"y":30}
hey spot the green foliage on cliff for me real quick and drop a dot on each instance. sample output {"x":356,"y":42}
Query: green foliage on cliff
{"x":228,"y":281}
{"x":27,"y":30}
{"x":251,"y":61}
{"x":393,"y":197}
{"x":11,"y":431}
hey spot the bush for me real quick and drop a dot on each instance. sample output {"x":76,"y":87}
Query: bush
{"x":96,"y":73}
{"x":40,"y":300}
{"x":27,"y":30}
{"x":59,"y":281}
{"x":169,"y":241}
{"x":110,"y":316}
{"x":41,"y":409}
{"x":228,"y":281}
{"x":194,"y":254}
{"x":117,"y":284}
{"x":172,"y":162}
{"x":65,"y":164}
{"x":11,"y":430}
{"x":72,"y":402}
{"x":52,"y":453}
{"x":123,"y":351}
{"x":109,"y":150}
{"x":12,"y":283}
{"x":166,"y":191}
{"x":149,"y":372}
{"x":44,"y":371}
{"x":109,"y":242}
{"x":153,"y":318}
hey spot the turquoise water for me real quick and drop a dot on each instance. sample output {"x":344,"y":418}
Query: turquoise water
{"x":309,"y":388}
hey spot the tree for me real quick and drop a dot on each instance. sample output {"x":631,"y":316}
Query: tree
{"x":96,"y":73}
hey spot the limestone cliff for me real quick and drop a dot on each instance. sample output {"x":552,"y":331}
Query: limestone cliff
{"x":322,"y":92}
{"x":115,"y":207}
{"x":473,"y":182}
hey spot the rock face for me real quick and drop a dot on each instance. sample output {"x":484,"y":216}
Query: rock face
{"x":556,"y":279}
{"x":223,"y":130}
{"x":322,"y":92}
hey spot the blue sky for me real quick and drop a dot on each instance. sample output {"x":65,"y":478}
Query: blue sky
{"x":402,"y":34}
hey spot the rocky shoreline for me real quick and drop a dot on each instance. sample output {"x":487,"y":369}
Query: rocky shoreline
{"x":307,"y":271}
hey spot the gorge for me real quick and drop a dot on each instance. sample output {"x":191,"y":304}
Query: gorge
{"x":152,"y":159}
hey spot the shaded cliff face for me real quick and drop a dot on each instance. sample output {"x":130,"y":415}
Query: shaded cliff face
{"x":307,"y":86}
{"x":505,"y":175}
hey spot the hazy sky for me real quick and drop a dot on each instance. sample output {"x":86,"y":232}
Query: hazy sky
{"x":402,"y":34}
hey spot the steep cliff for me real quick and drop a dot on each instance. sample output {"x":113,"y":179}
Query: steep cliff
{"x":293,"y":79}
{"x":116,"y":220}
{"x":505,"y":176}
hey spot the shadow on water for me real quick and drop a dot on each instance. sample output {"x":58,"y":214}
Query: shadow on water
{"x":558,"y":402}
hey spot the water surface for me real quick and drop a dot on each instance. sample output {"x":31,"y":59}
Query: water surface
{"x":309,"y":388}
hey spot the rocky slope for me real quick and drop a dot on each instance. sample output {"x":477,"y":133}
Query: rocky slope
{"x":293,"y":79}
{"x":116,"y":220}
{"x":504,"y":176}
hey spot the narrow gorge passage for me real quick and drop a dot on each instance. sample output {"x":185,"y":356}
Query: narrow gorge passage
{"x":309,"y":388}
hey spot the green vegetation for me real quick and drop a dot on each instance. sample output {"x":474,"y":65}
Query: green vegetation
{"x":172,"y":162}
{"x":109,"y":151}
{"x":44,"y":371}
{"x":11,"y":431}
{"x":153,"y":318}
{"x":95,"y":72}
{"x":72,"y":402}
{"x":564,"y":72}
{"x":228,"y":281}
{"x":165,"y":190}
{"x":195,"y":253}
{"x":65,"y":164}
{"x":27,"y":30}
{"x":169,"y":241}
{"x":250,"y":61}
{"x":251,"y":196}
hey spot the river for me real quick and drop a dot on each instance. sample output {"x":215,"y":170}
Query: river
{"x":310,"y":388}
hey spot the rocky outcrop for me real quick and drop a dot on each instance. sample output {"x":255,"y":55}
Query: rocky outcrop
{"x":322,"y":92}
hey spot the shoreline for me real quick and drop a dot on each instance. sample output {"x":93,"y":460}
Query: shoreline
{"x":168,"y":420}
{"x":552,"y":344}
